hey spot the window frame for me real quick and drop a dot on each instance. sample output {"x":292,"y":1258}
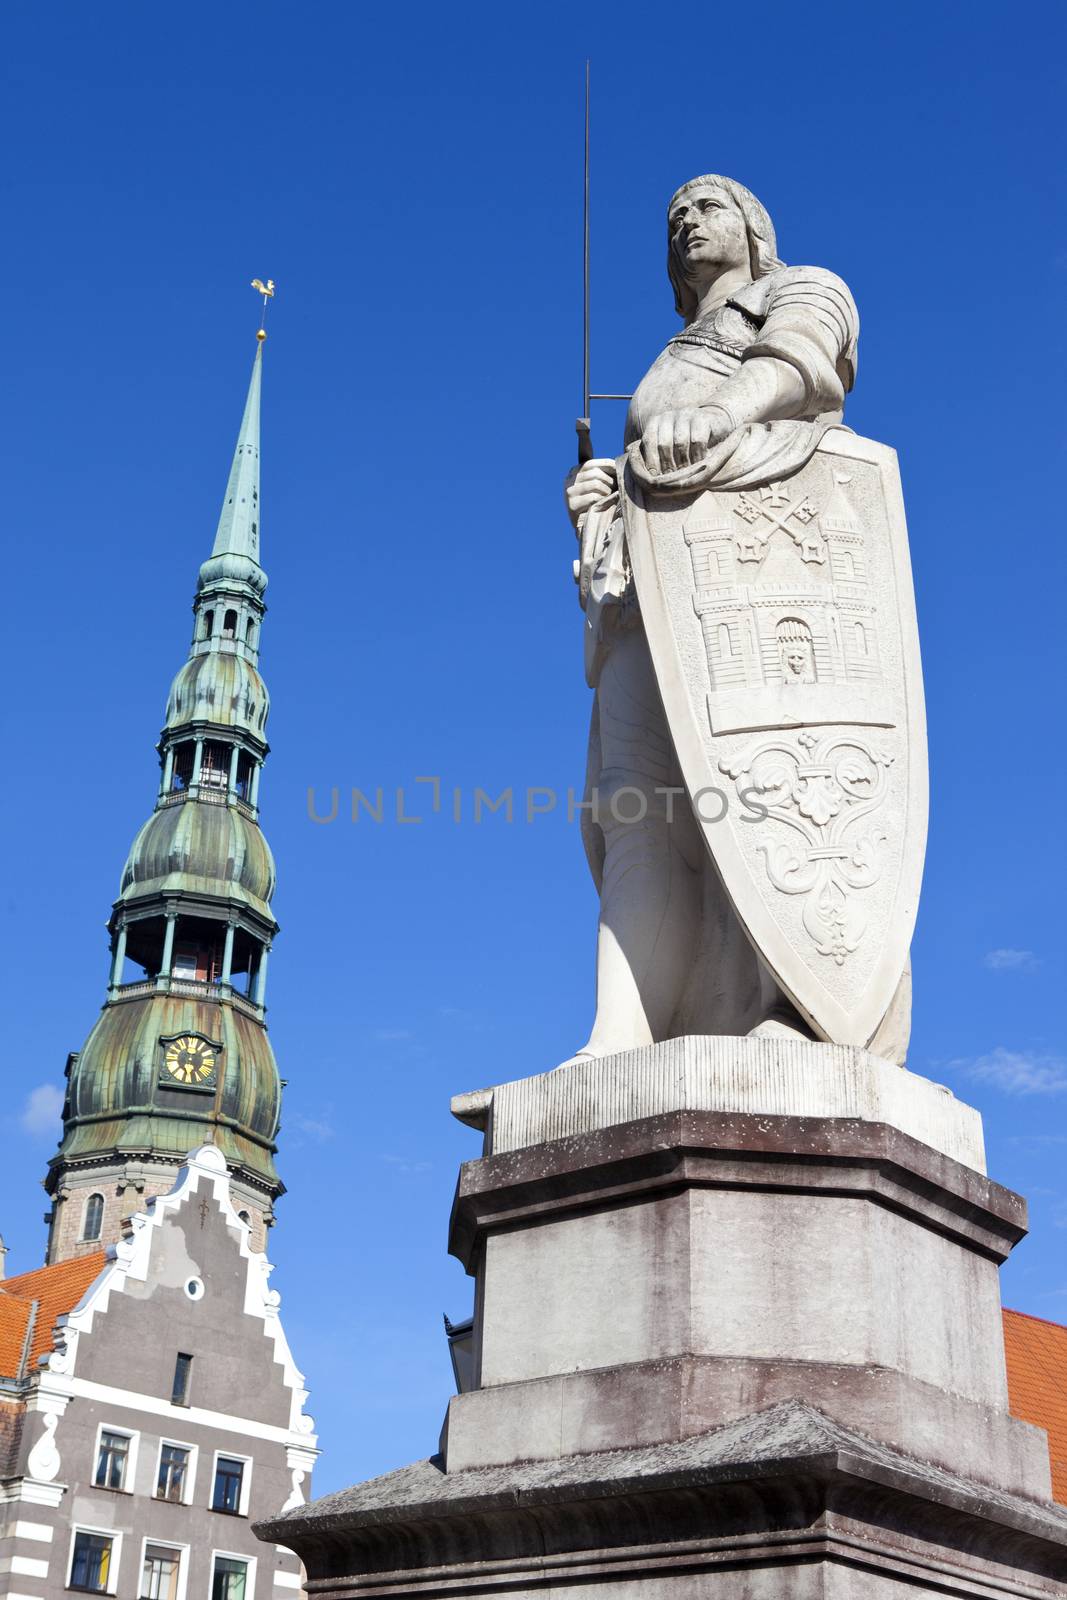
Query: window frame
{"x":181,"y":773}
{"x":246,"y":1484}
{"x":185,"y":1403}
{"x":190,"y":1476}
{"x":212,"y":776}
{"x":183,"y":1553}
{"x":92,"y":1238}
{"x":115,"y":1535}
{"x":233,"y":1555}
{"x":131,"y":1457}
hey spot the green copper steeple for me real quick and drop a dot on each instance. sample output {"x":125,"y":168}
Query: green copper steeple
{"x":180,"y":1053}
{"x":238,"y":529}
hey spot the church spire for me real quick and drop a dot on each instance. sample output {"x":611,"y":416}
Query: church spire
{"x":180,"y":1054}
{"x":238,"y":529}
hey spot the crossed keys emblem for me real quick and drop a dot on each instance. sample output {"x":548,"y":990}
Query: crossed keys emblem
{"x":769,"y":514}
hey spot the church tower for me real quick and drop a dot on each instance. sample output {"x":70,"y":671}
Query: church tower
{"x":179,"y":1056}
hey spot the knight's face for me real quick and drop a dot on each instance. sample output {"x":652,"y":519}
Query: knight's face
{"x":707,"y":232}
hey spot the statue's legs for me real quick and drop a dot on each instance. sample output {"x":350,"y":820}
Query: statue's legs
{"x":653,"y":857}
{"x":657,"y":887}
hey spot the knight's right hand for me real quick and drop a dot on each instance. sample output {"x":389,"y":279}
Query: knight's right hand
{"x":588,"y":484}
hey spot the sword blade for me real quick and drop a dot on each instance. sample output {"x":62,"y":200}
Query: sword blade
{"x":585,"y":442}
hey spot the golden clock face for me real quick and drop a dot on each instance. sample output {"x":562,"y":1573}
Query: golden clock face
{"x":189,"y":1059}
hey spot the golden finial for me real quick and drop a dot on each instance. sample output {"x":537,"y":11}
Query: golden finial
{"x":267,"y":291}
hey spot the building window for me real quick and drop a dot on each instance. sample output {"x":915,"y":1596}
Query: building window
{"x":229,"y":1578}
{"x":200,"y":963}
{"x":229,"y":1478}
{"x":173,"y":1472}
{"x":209,"y":623}
{"x":183,"y":1377}
{"x":189,"y":961}
{"x":159,"y":1575}
{"x":90,"y":1567}
{"x":112,"y":1459}
{"x":245,"y":768}
{"x":182,"y":772}
{"x":229,"y":625}
{"x":215,"y":765}
{"x":94,"y":1217}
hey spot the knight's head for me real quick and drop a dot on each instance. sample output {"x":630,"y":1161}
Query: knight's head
{"x":794,"y":647}
{"x":715,"y":225}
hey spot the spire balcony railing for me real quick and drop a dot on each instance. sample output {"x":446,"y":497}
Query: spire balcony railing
{"x":187,"y":989}
{"x":212,"y":797}
{"x":132,"y":991}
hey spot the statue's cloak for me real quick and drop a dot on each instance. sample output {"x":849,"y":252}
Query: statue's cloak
{"x":781,"y":623}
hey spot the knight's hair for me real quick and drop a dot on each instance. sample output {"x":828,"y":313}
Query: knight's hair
{"x":762,"y":246}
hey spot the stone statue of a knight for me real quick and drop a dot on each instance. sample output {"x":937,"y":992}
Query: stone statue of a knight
{"x":756,"y":797}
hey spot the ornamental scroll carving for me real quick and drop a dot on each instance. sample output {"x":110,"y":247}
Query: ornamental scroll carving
{"x":826,"y":793}
{"x":44,"y":1462}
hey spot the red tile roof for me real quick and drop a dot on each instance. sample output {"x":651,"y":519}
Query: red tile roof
{"x":14,"y":1320}
{"x":1037,"y":1384}
{"x":56,"y":1289}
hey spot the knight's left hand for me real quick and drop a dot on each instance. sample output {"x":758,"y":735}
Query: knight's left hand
{"x":681,"y":438}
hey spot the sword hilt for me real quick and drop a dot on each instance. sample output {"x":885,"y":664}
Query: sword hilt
{"x":585,"y":441}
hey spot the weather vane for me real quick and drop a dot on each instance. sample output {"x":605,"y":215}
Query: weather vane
{"x":267,"y":291}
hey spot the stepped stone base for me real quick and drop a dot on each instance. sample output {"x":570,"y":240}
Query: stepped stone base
{"x":668,"y":1240}
{"x":737,"y":1333}
{"x":771,"y":1077}
{"x":783,"y":1505}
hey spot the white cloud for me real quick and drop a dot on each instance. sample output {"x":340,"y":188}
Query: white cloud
{"x":315,"y":1128}
{"x":406,"y":1165}
{"x":42,"y":1109}
{"x":1018,"y":1071}
{"x":1010,"y":960}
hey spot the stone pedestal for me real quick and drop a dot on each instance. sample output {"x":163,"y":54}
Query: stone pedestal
{"x":737,"y":1332}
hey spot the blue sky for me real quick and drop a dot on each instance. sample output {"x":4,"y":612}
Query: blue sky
{"x":411,"y":180}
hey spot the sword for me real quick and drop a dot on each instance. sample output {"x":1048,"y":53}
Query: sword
{"x":582,"y":423}
{"x":581,"y":427}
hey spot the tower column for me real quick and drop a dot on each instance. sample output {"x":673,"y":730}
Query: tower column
{"x":168,"y":947}
{"x":198,"y":754}
{"x":253,"y":785}
{"x":118,"y":956}
{"x":261,"y":977}
{"x":235,"y":756}
{"x":168,"y":770}
{"x":227,"y":955}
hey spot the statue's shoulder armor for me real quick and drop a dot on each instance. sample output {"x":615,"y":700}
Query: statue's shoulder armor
{"x":791,"y":297}
{"x":796,"y":286}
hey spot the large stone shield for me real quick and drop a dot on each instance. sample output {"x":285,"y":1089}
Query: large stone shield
{"x":781,"y":621}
